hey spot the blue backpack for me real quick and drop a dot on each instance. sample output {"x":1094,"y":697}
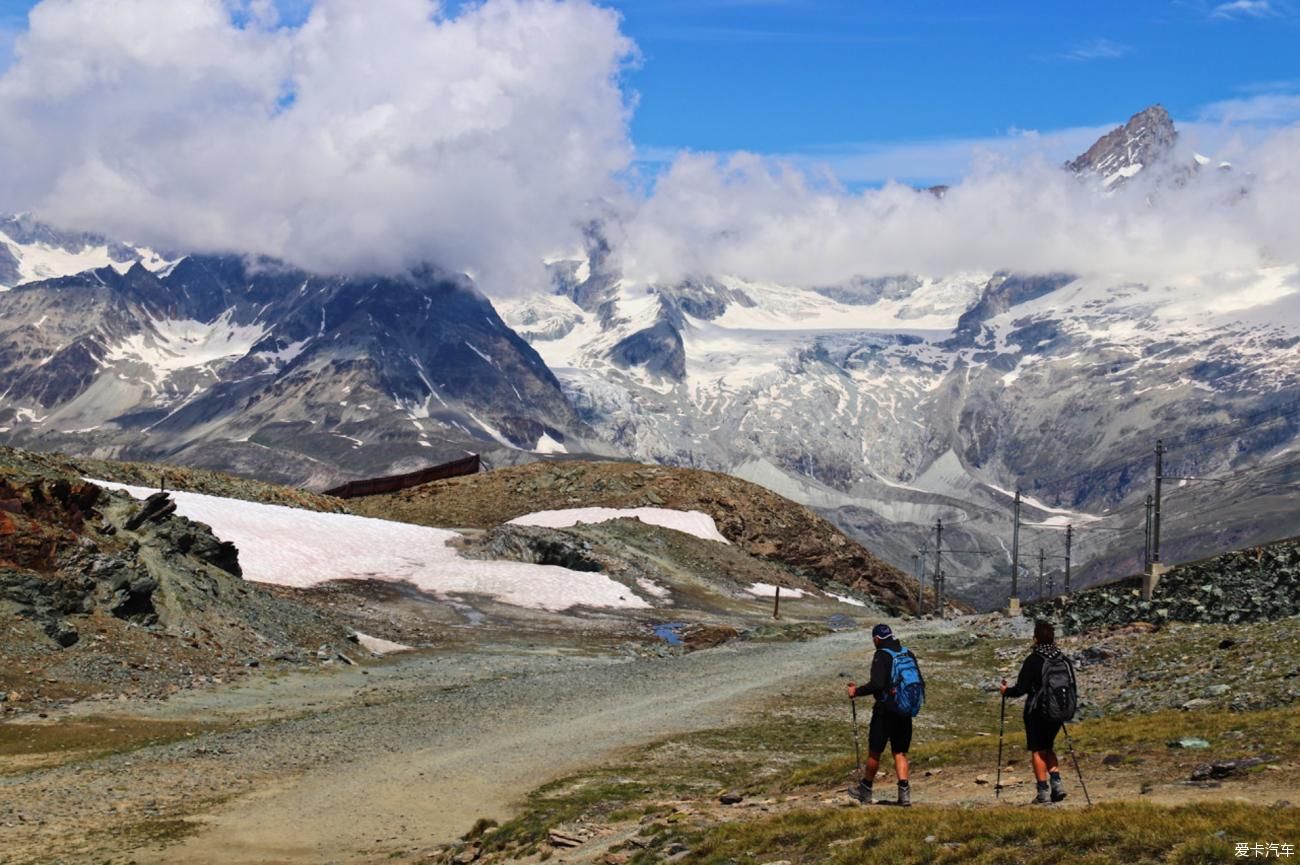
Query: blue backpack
{"x":908,"y":691}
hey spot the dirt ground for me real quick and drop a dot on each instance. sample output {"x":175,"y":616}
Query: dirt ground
{"x":393,"y":762}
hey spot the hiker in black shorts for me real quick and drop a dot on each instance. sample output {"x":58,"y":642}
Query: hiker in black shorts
{"x":887,"y":726}
{"x":1040,"y":731}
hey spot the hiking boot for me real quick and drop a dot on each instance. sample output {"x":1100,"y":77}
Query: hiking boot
{"x":1044,"y":796}
{"x":862,"y":792}
{"x":1058,"y":789}
{"x":905,"y":795}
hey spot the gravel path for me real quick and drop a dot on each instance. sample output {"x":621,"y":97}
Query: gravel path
{"x":401,"y":757}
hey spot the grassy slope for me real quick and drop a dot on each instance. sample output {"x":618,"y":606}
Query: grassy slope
{"x":790,"y":762}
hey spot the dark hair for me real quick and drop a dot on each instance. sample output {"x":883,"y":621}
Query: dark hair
{"x":1044,"y":633}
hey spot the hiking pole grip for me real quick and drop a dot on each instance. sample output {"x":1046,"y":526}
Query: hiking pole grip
{"x":1069,"y":741}
{"x":1002,"y":726}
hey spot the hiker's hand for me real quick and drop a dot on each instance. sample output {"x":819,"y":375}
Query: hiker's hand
{"x":1003,"y":689}
{"x":852,"y":690}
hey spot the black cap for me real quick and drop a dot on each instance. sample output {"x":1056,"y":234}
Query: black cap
{"x":882,"y":631}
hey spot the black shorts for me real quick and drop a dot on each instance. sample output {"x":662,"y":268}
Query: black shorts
{"x":1040,"y":732}
{"x":889,"y":727}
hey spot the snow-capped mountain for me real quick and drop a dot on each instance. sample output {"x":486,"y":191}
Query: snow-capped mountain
{"x":259,"y":368}
{"x":1148,"y":138}
{"x":886,"y":402}
{"x":31,"y":251}
{"x":889,"y":403}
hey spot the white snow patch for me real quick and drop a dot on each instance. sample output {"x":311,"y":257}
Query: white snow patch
{"x":291,"y":547}
{"x":650,"y":587}
{"x":845,"y":599}
{"x":695,"y":523}
{"x":380,"y":646}
{"x":548,"y":445}
{"x":491,"y":430}
{"x":175,"y":344}
{"x":766,"y":590}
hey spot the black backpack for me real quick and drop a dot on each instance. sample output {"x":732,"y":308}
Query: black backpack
{"x":1057,"y":698}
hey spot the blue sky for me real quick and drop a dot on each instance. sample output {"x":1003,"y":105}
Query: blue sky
{"x":906,"y":89}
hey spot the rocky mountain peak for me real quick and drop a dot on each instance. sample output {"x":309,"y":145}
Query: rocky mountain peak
{"x":1146,"y":139}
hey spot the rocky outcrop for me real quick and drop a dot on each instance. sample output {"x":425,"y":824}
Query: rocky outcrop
{"x":1253,"y":585}
{"x":70,"y":549}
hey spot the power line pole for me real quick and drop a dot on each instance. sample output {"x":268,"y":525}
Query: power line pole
{"x":1146,"y":550}
{"x":920,"y":586}
{"x":938,"y":564}
{"x":925,"y":552}
{"x":1051,"y":584}
{"x":1042,"y":571}
{"x":1069,"y":540}
{"x":1015,"y":558}
{"x":1155,"y":513}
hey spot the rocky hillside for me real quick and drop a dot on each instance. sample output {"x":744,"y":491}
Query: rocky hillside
{"x":101,"y":591}
{"x":760,"y":521}
{"x":1252,"y":585}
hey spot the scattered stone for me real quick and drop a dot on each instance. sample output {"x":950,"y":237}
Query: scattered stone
{"x":468,"y":855}
{"x":1227,"y":768}
{"x":1227,"y":643}
{"x":1217,"y":690}
{"x":731,"y":798}
{"x":982,"y":779}
{"x":1198,"y":703}
{"x":1112,"y":760}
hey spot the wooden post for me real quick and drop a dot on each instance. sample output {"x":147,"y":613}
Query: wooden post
{"x":776,"y":604}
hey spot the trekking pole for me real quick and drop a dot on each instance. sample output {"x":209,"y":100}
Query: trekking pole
{"x":1002,"y":728}
{"x":857,"y":749}
{"x":1078,"y":771}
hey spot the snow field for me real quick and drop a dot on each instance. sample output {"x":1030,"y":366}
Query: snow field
{"x":291,"y":547}
{"x":695,"y":523}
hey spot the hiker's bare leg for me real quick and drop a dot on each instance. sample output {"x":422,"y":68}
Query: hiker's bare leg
{"x":1049,"y":757}
{"x":900,"y":766}
{"x":1040,"y":764}
{"x":873,"y":766}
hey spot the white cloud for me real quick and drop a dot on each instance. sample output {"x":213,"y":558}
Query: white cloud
{"x":1245,"y":9}
{"x":372,"y":136}
{"x":380,"y":135}
{"x":766,"y":219}
{"x":1260,"y":109}
{"x":1097,"y":49}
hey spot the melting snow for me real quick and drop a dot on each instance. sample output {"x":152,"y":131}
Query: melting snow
{"x":695,"y":523}
{"x":380,"y":646}
{"x":176,"y":344}
{"x":845,"y":599}
{"x":548,"y":445}
{"x":291,"y":547}
{"x":766,"y":590}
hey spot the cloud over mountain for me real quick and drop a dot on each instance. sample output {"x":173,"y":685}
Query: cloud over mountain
{"x":373,"y":136}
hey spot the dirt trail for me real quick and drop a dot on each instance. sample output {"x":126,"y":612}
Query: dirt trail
{"x":454,"y":758}
{"x":408,"y":757}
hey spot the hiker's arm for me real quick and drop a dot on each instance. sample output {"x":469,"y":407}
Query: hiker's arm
{"x":879,"y":684}
{"x":1024,"y":682}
